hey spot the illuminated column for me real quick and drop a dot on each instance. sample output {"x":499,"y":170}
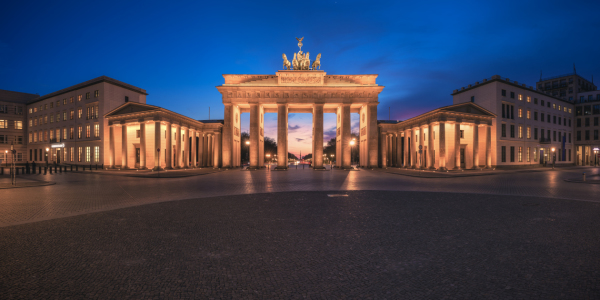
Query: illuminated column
{"x":406,"y":163}
{"x":391,"y":143}
{"x":421,"y":148}
{"x":413,"y":148}
{"x":282,"y":136}
{"x":430,"y":147}
{"x":157,"y":145}
{"x":205,"y":149}
{"x":142,"y":144}
{"x":384,"y":148}
{"x":228,"y":136}
{"x":442,"y":142}
{"x":111,"y":146}
{"x":318,"y":136}
{"x":399,"y":149}
{"x":186,"y":147}
{"x":346,"y":147}
{"x":476,"y":145}
{"x":217,"y":150}
{"x":201,"y":149}
{"x":488,"y":146}
{"x":124,"y":146}
{"x":457,"y":145}
{"x":194,"y":148}
{"x":169,"y":148}
{"x":254,"y":135}
{"x":209,"y":150}
{"x":177,"y":154}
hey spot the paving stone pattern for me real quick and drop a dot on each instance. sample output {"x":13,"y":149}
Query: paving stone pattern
{"x":305,"y":245}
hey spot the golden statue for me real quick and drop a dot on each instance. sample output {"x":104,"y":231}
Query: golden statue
{"x":317,"y":63}
{"x":300,"y":42}
{"x":286,"y":62}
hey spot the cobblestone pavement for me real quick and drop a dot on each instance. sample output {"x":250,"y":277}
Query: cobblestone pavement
{"x":306,"y":245}
{"x":81,"y":193}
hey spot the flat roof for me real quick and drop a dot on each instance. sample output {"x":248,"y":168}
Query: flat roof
{"x":16,"y":97}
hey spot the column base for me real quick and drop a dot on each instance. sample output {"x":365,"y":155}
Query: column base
{"x":157,"y":169}
{"x":441,"y":169}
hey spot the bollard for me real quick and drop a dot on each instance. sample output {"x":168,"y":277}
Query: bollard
{"x":54,"y":169}
{"x":40,"y":170}
{"x":76,"y":167}
{"x":50,"y":170}
{"x":23,"y":170}
{"x":96,"y":167}
{"x":71,"y":168}
{"x":45,"y":170}
{"x":583,"y":176}
{"x":17,"y":171}
{"x":60,"y":169}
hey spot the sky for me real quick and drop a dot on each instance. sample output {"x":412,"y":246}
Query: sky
{"x":177,"y":51}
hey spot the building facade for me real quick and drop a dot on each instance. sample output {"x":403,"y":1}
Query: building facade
{"x":566,"y":86}
{"x":68,"y":126}
{"x":13,"y":125}
{"x":587,"y":127}
{"x":531,"y":127}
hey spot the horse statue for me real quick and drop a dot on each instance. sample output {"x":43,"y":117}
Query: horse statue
{"x":286,"y":62}
{"x":295,"y":62}
{"x":305,"y":63}
{"x":317,"y":63}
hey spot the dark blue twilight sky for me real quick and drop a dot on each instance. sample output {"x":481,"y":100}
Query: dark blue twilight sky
{"x":177,"y":51}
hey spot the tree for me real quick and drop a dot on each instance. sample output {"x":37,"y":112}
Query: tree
{"x":307,"y":156}
{"x":270,"y":147}
{"x":292,"y":156}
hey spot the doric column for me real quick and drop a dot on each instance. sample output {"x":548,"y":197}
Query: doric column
{"x":254,"y":135}
{"x":457,"y":145}
{"x":186,"y":147}
{"x":177,"y":156}
{"x":157,"y":145}
{"x":217,"y":150}
{"x":228,"y":136}
{"x":124,"y":146}
{"x":209,"y":150}
{"x":346,"y":137}
{"x":476,"y":145}
{"x":399,"y":149}
{"x":421,"y":148}
{"x":194,"y":148}
{"x":318,"y":136}
{"x":442,"y":142}
{"x":413,"y":148}
{"x":204,"y":149}
{"x":169,"y":147}
{"x":142,"y":144}
{"x":488,"y":146}
{"x":406,"y":148}
{"x":111,"y":146}
{"x":391,"y":149}
{"x":282,"y":136}
{"x":430,"y":147}
{"x":201,"y":149}
{"x":384,"y":148}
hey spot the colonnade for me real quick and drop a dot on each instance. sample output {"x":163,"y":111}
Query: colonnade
{"x":167,"y":145}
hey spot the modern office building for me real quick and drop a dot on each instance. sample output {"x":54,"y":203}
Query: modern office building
{"x":566,"y":86}
{"x":13,"y":125}
{"x":587,"y":127}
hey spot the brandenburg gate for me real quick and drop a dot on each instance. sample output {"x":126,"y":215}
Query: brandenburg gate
{"x":303,"y":89}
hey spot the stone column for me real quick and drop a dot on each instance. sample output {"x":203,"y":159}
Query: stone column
{"x":457,"y":145}
{"x":384,"y":148}
{"x":157,"y":145}
{"x":346,"y":148}
{"x":169,"y":147}
{"x":142,"y":145}
{"x":254,"y":135}
{"x":217,"y":150}
{"x":413,"y":149}
{"x":430,"y":147}
{"x":421,"y":148}
{"x":186,"y":148}
{"x":406,"y":163}
{"x":228,"y":136}
{"x":282,"y":136}
{"x":399,"y":149}
{"x":209,"y":150}
{"x":124,"y":146}
{"x":476,"y":145}
{"x":442,"y":142}
{"x":204,"y":149}
{"x":177,"y":156}
{"x":488,"y":146}
{"x":111,"y":146}
{"x":318,"y":136}
{"x":194,"y":148}
{"x":391,"y":149}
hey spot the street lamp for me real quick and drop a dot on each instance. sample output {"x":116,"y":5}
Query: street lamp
{"x":6,"y":158}
{"x":248,"y":148}
{"x":268,"y":157}
{"x":553,"y":158}
{"x":596,"y":150}
{"x":352,"y":142}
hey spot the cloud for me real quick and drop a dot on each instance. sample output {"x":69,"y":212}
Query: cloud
{"x":293,"y":128}
{"x":329,"y":134}
{"x":299,"y":140}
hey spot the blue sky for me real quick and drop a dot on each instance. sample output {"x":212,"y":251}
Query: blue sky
{"x":177,"y":51}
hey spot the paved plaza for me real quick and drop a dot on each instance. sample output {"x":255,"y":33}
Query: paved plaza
{"x":265,"y":234}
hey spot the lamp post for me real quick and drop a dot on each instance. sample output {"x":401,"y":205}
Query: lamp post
{"x":553,"y":158}
{"x":331,"y":161}
{"x":596,"y":156}
{"x":268,"y":158}
{"x":6,"y":158}
{"x":248,"y":151}
{"x":352,"y":143}
{"x":47,"y":149}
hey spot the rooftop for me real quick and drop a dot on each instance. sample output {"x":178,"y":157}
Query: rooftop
{"x":16,"y":97}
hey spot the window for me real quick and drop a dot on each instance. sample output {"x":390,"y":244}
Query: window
{"x":578,"y":136}
{"x":587,"y":122}
{"x":126,"y":99}
{"x":520,"y":154}
{"x":79,"y":154}
{"x":596,"y":135}
{"x":64,"y":133}
{"x":97,"y":154}
{"x":96,"y":93}
{"x":30,"y":110}
{"x":512,"y":95}
{"x":64,"y":115}
{"x":569,"y":122}
{"x":79,"y":113}
{"x":503,"y":130}
{"x":51,"y":118}
{"x":51,"y":134}
{"x":548,"y":104}
{"x":87,"y":131}
{"x":65,"y":101}
{"x":535,"y":116}
{"x":96,"y":111}
{"x":137,"y":134}
{"x":87,"y":154}
{"x":596,"y":109}
{"x":528,"y":99}
{"x":520,"y":112}
{"x":528,"y":132}
{"x":554,"y":105}
{"x":512,"y":154}
{"x":79,"y":98}
{"x":96,"y":130}
{"x":462,"y":134}
{"x":503,"y":153}
{"x":535,"y":130}
{"x":512,"y":112}
{"x":548,"y":118}
{"x":72,"y":114}
{"x":71,"y":132}
{"x":587,"y":135}
{"x":46,"y":119}
{"x":595,"y":121}
{"x":51,"y":104}
{"x":19,"y":124}
{"x":472,"y":98}
{"x":30,"y":139}
{"x":569,"y":137}
{"x":45,"y":106}
{"x":79,"y":131}
{"x":578,"y":122}
{"x":504,"y":93}
{"x":520,"y":131}
{"x":71,"y":99}
{"x":528,"y":114}
{"x":554,"y":118}
{"x":520,"y":97}
{"x":3,"y":123}
{"x":87,"y":95}
{"x":512,"y":131}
